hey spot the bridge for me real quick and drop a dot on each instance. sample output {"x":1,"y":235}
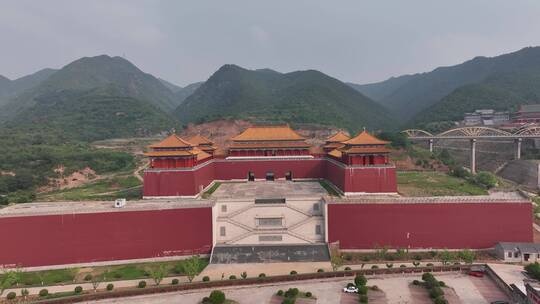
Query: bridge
{"x":476,"y":133}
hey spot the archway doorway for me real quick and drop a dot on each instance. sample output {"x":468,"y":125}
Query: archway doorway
{"x":270,"y":176}
{"x":288,"y":176}
{"x":251,"y":176}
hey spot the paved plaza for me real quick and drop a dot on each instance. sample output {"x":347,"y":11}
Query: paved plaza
{"x":275,"y":189}
{"x":395,"y":289}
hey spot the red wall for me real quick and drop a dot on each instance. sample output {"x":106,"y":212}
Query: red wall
{"x":424,"y":225}
{"x":370,"y":179}
{"x":238,"y":169}
{"x":78,"y":238}
{"x":189,"y":182}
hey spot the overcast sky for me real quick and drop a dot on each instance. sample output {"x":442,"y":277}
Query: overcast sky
{"x":186,"y":41}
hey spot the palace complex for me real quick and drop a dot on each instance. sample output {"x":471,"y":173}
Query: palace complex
{"x":352,"y":165}
{"x":270,"y":196}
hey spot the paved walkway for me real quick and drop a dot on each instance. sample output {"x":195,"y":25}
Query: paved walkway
{"x":88,"y":286}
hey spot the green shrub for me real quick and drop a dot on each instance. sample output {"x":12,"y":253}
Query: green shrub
{"x":435,"y":292}
{"x":262,"y":275}
{"x":416,"y":282}
{"x":417,"y":257}
{"x":280,"y":293}
{"x":402,"y":266}
{"x":288,"y":301}
{"x":11,"y":295}
{"x":320,"y":270}
{"x":363,"y":298}
{"x":293,"y":272}
{"x":440,"y":300}
{"x":43,"y":293}
{"x":309,"y":294}
{"x":142,"y":284}
{"x":429,"y":264}
{"x":110,"y":287}
{"x":217,"y":297}
{"x":291,"y":292}
{"x":460,"y":172}
{"x":78,"y":289}
{"x":175,"y":282}
{"x":375,"y":287}
{"x":427,"y":276}
{"x":25,"y":292}
{"x":360,"y":280}
{"x":244,"y":275}
{"x":374,"y":267}
{"x":88,"y":277}
{"x":389,"y":265}
{"x":347,"y":268}
{"x":362,"y":290}
{"x":486,"y":179}
{"x":232,"y":277}
{"x":416,"y":263}
{"x":206,"y":279}
{"x":442,"y":284}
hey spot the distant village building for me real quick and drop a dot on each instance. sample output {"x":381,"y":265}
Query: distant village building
{"x":486,"y":117}
{"x":518,"y":252}
{"x":527,"y":114}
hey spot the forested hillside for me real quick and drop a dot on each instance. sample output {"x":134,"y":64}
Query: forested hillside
{"x":454,"y":87}
{"x":297,"y":97}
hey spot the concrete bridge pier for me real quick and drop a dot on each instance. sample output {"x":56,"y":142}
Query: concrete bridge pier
{"x":473,"y":156}
{"x":518,"y":148}
{"x":430,"y":145}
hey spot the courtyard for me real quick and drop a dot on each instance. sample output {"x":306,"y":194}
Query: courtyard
{"x":265,"y":189}
{"x":393,"y":289}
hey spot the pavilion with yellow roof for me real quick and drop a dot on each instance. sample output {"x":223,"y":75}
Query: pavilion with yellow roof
{"x":181,"y":167}
{"x":175,"y":152}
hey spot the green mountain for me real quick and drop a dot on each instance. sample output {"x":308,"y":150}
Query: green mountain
{"x":502,"y":91}
{"x":411,"y":94}
{"x":96,"y":72}
{"x":297,"y":97}
{"x":10,"y":89}
{"x":92,"y":115}
{"x":186,"y":91}
{"x":169,"y":85}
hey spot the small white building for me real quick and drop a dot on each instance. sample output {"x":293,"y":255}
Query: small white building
{"x":518,"y":252}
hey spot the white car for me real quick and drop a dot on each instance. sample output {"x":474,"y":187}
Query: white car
{"x":350,"y":289}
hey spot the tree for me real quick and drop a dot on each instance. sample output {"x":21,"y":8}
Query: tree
{"x":445,"y":256}
{"x":158,"y":273}
{"x":217,"y":297}
{"x":467,"y":256}
{"x":336,"y":262}
{"x":533,"y":270}
{"x":191,"y":267}
{"x":9,"y":278}
{"x":96,"y":280}
{"x":360,"y":280}
{"x":24,"y":293}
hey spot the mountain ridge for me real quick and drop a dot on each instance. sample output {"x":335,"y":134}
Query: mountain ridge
{"x":306,"y":96}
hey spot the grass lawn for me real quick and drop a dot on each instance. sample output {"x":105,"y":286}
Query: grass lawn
{"x":435,"y":184}
{"x":113,"y":273}
{"x":106,"y":189}
{"x":212,"y":189}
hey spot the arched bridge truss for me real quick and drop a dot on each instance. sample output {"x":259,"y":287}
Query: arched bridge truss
{"x":473,"y":134}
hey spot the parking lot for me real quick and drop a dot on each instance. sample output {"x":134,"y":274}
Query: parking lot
{"x":394,"y":289}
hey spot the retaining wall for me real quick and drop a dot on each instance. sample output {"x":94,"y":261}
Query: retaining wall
{"x":81,"y":238}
